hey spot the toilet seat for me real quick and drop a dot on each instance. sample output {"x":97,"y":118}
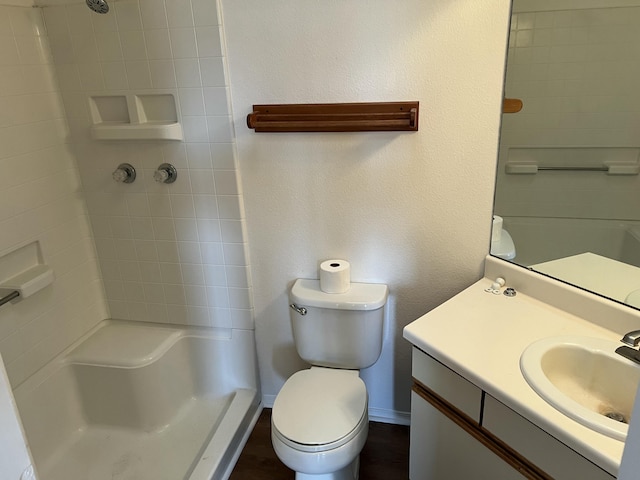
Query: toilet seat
{"x":320,"y":409}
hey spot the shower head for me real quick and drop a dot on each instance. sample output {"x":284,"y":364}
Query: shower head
{"x":98,"y":6}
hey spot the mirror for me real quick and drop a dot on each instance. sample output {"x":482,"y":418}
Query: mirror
{"x":567,"y":200}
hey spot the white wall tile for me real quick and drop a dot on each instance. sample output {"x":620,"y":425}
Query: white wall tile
{"x":162,"y":74}
{"x":182,"y":206}
{"x":133,"y":45}
{"x":204,"y":12}
{"x":189,"y":253}
{"x":226,"y":182}
{"x":167,"y":251}
{"x":128,"y":15}
{"x":138,"y":75}
{"x":218,"y":296}
{"x":78,"y":18}
{"x":195,"y":129}
{"x":115,"y":75}
{"x":212,"y":253}
{"x":186,"y":229}
{"x":193,"y":274}
{"x":109,"y":46}
{"x":162,"y":236}
{"x":91,"y":76}
{"x":216,"y":101}
{"x":214,"y":275}
{"x":183,"y":43}
{"x":242,"y":318}
{"x":220,"y":317}
{"x":202,"y":182}
{"x":191,"y":101}
{"x":188,"y":72}
{"x":235,"y":254}
{"x":170,"y":273}
{"x":154,"y":14}
{"x":179,"y":13}
{"x":213,"y":72}
{"x":158,"y":43}
{"x":209,"y":230}
{"x":209,"y":43}
{"x":219,"y":128}
{"x":238,"y":276}
{"x":199,"y":156}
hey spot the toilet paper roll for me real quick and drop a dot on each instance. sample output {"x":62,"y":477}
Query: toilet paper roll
{"x":335,"y":276}
{"x":496,"y":231}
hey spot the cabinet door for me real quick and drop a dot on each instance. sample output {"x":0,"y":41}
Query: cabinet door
{"x":458,"y":391}
{"x":441,"y":450}
{"x":558,"y":460}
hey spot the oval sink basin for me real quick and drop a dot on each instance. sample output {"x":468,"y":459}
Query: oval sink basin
{"x":585,"y":379}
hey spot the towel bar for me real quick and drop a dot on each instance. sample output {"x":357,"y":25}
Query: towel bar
{"x":8,"y":297}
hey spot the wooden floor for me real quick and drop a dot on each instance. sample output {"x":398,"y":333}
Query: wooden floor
{"x":385,"y":455}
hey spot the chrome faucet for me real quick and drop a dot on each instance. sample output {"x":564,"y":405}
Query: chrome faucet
{"x":633,"y":340}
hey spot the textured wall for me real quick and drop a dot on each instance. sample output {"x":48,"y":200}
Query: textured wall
{"x":411,"y":210}
{"x":40,"y":201}
{"x":168,"y":253}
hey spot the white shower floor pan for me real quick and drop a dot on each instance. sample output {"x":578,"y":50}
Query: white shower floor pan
{"x":135,"y":401}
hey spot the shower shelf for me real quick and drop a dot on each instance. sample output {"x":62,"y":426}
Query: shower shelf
{"x":144,"y":116}
{"x":335,"y":117}
{"x":140,"y":131}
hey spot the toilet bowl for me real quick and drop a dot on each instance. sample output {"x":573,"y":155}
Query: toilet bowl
{"x":320,"y":423}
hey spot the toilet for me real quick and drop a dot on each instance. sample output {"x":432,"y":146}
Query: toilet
{"x":320,"y":421}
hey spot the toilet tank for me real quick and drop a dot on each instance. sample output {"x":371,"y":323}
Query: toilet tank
{"x":340,"y":330}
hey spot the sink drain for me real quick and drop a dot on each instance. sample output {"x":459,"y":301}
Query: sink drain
{"x":618,"y":417}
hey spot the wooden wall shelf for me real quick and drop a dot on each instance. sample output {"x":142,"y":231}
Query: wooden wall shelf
{"x":335,"y":117}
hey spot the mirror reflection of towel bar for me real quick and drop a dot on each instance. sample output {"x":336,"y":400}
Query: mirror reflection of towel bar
{"x":8,"y":297}
{"x":514,"y":168}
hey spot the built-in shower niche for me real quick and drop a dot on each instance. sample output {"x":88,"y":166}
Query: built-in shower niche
{"x":150,"y":116}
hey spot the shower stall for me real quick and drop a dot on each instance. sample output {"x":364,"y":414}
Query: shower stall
{"x":138,"y":361}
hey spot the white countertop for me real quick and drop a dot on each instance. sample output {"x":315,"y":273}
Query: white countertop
{"x":481,"y":336}
{"x":610,"y":277}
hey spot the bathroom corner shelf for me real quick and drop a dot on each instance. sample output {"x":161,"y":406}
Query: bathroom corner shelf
{"x":335,"y":117}
{"x":141,"y":131}
{"x":148,"y":116}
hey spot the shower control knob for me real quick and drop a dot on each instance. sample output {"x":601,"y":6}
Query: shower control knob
{"x":166,"y":173}
{"x":125,"y":173}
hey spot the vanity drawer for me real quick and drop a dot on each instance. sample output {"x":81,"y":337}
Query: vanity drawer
{"x":446,"y":383}
{"x":540,"y":448}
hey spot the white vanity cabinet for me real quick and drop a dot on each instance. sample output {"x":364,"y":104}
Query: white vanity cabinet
{"x":458,"y":431}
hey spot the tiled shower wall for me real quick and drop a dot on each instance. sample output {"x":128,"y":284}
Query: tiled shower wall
{"x":40,"y":202}
{"x":576,"y":72}
{"x":168,"y":253}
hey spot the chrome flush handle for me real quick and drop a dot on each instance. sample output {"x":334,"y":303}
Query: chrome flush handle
{"x":300,"y":310}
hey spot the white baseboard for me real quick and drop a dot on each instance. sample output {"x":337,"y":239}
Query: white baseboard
{"x":384,"y":415}
{"x":268,"y":401}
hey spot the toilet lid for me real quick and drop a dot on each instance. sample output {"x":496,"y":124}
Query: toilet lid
{"x":319,"y":405}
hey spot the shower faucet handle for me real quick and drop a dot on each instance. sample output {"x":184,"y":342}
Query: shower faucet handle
{"x":125,"y":173}
{"x":166,"y":173}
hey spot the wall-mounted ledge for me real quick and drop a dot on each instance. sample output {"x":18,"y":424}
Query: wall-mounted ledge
{"x":143,"y":131}
{"x":139,"y":116}
{"x":335,"y":117}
